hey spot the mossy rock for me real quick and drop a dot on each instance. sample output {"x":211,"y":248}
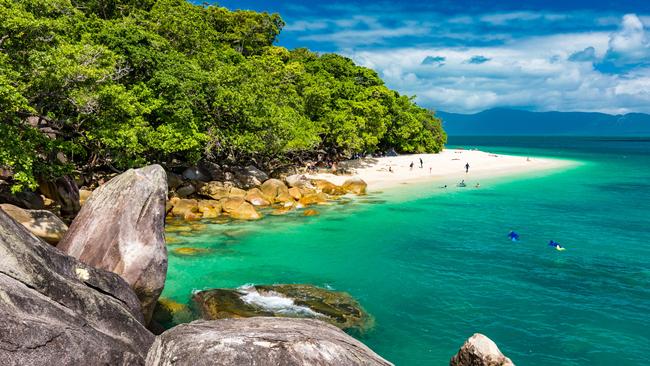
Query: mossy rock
{"x":190,"y":252}
{"x":169,"y":313}
{"x":336,"y":308}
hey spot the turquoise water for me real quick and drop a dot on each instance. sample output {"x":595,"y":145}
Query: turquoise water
{"x":434,"y":266}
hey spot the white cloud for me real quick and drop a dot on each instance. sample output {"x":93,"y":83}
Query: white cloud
{"x":304,"y":25}
{"x":507,"y":17}
{"x":630,"y":42}
{"x":531,"y":72}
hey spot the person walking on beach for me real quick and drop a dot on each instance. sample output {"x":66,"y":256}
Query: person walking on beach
{"x":430,"y":169}
{"x":411,"y":166}
{"x":467,"y":168}
{"x":421,"y":163}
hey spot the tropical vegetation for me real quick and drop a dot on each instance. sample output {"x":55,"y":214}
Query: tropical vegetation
{"x":91,"y":85}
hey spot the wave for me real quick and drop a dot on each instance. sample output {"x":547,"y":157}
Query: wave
{"x":275,"y":303}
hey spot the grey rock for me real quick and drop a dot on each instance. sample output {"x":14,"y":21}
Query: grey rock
{"x":26,"y":199}
{"x":185,"y":190}
{"x":299,"y":181}
{"x":213,"y":170}
{"x":174,"y":180}
{"x":261,"y":342}
{"x":249,"y":177}
{"x":480,"y":350}
{"x":283,"y":172}
{"x":65,"y":192}
{"x":195,"y":173}
{"x":121,"y":229}
{"x":55,"y":310}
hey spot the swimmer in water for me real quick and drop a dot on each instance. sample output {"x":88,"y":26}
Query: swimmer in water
{"x":513,"y":236}
{"x":556,"y":245}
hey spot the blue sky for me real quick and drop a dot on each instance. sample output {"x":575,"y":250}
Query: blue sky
{"x":467,"y":56}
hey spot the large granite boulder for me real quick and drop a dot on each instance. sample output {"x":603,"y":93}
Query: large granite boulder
{"x":261,"y":342}
{"x":215,"y":190}
{"x":121,"y":229}
{"x":41,"y":223}
{"x":249,"y":177}
{"x":355,"y":185}
{"x":65,"y":192}
{"x":479,"y":350}
{"x":294,"y":301}
{"x":256,"y":197}
{"x":299,"y":181}
{"x":328,"y":187}
{"x":239,"y":209}
{"x":209,"y":209}
{"x":275,"y":190}
{"x":56,"y":310}
{"x":310,"y":198}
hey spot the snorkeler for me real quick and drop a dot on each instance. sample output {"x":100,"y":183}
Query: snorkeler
{"x":513,"y":236}
{"x":555,"y":244}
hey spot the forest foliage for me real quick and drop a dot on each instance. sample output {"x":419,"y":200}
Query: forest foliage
{"x":113,"y":84}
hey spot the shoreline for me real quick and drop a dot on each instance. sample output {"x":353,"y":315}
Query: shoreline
{"x":447,"y":167}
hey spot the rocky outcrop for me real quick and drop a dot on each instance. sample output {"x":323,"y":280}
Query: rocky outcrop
{"x":185,"y":190}
{"x":41,"y":223}
{"x":256,"y":197}
{"x":259,"y":341}
{"x":239,"y":209}
{"x":121,"y":229}
{"x":312,"y":199}
{"x":209,"y":209}
{"x":215,"y":190}
{"x":328,"y":187}
{"x":355,"y":185}
{"x":24,"y":199}
{"x":249,"y":177}
{"x":195,"y":173}
{"x":275,"y":190}
{"x":479,"y":350}
{"x":299,"y":181}
{"x":297,"y":301}
{"x":65,"y":192}
{"x":56,"y":310}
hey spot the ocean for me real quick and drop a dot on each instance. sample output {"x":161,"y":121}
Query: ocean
{"x":433,"y":266}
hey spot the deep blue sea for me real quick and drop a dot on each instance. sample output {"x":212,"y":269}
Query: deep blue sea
{"x":434,"y":266}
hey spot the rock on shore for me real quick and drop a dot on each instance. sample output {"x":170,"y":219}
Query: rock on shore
{"x":41,"y":223}
{"x":480,"y":350}
{"x":259,"y":341}
{"x":121,"y":229}
{"x":55,"y":310}
{"x":297,"y":301}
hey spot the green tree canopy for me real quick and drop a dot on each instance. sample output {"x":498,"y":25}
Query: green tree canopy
{"x":113,"y":84}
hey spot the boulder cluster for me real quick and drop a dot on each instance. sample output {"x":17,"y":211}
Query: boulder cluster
{"x":89,"y":300}
{"x":195,"y":196}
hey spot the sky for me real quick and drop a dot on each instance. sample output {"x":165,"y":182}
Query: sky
{"x":467,"y":56}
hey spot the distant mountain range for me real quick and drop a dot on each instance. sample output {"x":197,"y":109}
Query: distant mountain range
{"x":501,"y":121}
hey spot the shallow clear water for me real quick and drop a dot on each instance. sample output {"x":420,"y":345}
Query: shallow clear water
{"x":434,"y":266}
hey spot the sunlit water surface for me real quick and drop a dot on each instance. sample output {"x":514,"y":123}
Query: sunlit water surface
{"x":434,"y":266}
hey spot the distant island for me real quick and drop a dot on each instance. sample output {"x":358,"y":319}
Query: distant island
{"x":510,"y":122}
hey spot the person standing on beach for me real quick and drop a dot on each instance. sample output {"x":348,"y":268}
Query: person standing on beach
{"x":430,"y":169}
{"x":467,"y":168}
{"x":421,"y":163}
{"x":411,"y":166}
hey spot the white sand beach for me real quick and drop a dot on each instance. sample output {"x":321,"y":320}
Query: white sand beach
{"x":448,"y":167}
